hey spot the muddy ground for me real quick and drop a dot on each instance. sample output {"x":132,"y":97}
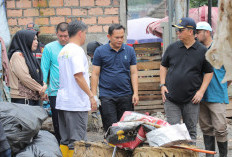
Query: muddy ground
{"x":98,"y":136}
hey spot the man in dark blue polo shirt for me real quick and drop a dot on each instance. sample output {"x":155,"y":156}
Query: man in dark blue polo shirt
{"x":181,"y":77}
{"x":114,"y":67}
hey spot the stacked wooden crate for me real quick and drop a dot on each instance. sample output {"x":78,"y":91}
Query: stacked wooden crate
{"x":148,"y":64}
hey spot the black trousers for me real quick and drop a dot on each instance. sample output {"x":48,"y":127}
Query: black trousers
{"x":25,"y":101}
{"x":112,"y":109}
{"x":55,"y":117}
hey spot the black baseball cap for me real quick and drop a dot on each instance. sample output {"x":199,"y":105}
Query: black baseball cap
{"x":186,"y":22}
{"x":91,"y":46}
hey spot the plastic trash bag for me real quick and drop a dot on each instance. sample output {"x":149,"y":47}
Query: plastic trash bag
{"x":43,"y":145}
{"x":47,"y":107}
{"x":21,"y":123}
{"x":169,"y":135}
{"x":134,"y":116}
{"x":126,"y":137}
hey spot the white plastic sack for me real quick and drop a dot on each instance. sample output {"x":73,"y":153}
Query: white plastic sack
{"x":168,"y":135}
{"x":4,"y":29}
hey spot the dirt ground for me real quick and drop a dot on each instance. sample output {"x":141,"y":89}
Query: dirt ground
{"x":94,"y":136}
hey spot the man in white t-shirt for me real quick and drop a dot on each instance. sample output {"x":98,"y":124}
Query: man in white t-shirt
{"x":74,"y":98}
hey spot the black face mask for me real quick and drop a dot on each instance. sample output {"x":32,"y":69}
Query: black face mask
{"x":22,"y":42}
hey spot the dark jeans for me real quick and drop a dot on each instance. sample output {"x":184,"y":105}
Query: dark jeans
{"x":55,"y":117}
{"x":25,"y":101}
{"x":6,"y":153}
{"x":112,"y":109}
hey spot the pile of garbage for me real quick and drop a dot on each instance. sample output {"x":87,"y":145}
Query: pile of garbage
{"x":134,"y":128}
{"x":22,"y":124}
{"x":139,"y":135}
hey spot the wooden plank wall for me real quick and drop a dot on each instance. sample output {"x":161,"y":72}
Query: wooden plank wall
{"x":148,"y":58}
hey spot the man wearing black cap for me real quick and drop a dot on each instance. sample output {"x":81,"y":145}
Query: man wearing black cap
{"x":91,"y":47}
{"x":39,"y":51}
{"x":181,"y":77}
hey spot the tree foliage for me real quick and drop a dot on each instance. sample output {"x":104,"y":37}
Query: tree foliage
{"x":199,"y":3}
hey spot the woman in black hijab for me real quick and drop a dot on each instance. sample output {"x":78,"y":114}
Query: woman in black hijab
{"x":26,"y":79}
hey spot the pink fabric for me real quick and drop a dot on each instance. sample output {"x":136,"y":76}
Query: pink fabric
{"x":154,"y":27}
{"x":198,"y":14}
{"x":5,"y":63}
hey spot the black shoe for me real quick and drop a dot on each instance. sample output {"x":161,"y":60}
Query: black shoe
{"x":223,"y":148}
{"x":209,"y":142}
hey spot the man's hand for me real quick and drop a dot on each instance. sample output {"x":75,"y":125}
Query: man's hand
{"x":135,"y":99}
{"x":44,"y":97}
{"x":93,"y":104}
{"x":42,"y":91}
{"x":163,"y":91}
{"x":198,"y":96}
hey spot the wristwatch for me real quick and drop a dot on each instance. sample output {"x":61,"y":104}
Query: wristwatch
{"x":161,"y":85}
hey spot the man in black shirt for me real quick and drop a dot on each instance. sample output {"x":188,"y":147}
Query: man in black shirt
{"x":184,"y":77}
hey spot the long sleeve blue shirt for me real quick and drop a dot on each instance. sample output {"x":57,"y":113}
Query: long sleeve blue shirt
{"x":49,"y":62}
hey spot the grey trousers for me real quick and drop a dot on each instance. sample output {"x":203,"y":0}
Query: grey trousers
{"x":72,"y":126}
{"x":213,"y":120}
{"x":189,"y":112}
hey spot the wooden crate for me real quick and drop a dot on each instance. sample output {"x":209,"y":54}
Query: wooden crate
{"x":148,"y":58}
